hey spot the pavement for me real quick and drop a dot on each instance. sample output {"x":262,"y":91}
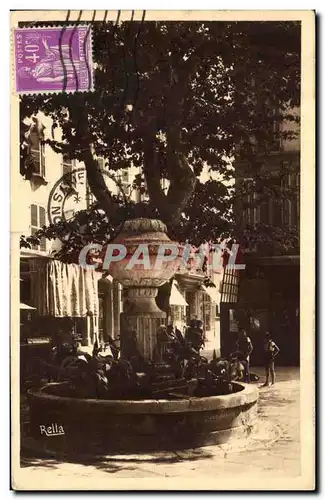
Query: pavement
{"x":271,"y":453}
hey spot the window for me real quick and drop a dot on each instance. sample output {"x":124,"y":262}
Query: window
{"x":176,"y":313}
{"x":67,"y":168}
{"x":90,"y":198}
{"x":35,"y":160}
{"x":38,"y":159}
{"x":275,"y":202}
{"x":123,"y":180}
{"x":270,"y":141}
{"x":287,"y":202}
{"x":206,"y":311}
{"x":101,"y":163}
{"x":37,"y":156}
{"x":275,"y":131}
{"x":230,"y":286}
{"x":295,"y":208}
{"x":138,"y":196}
{"x":251,"y":210}
{"x":125,"y":175}
{"x":25,"y":282}
{"x":233,"y":325}
{"x":38,"y":220}
{"x":290,"y":207}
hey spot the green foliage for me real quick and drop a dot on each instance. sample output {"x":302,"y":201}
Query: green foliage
{"x":171,"y":97}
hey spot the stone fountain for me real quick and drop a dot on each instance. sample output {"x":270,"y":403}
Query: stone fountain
{"x":177,"y":421}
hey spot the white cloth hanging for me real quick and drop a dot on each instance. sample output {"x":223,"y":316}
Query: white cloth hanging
{"x":61,"y":290}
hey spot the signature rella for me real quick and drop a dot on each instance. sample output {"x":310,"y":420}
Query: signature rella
{"x":90,"y":256}
{"x":52,"y":430}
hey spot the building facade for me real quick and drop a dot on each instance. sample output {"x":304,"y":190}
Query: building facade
{"x":265,"y":296}
{"x":44,"y":168}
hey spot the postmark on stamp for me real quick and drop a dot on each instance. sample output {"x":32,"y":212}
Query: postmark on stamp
{"x":70,"y":187}
{"x":71,"y":194}
{"x":53,"y":59}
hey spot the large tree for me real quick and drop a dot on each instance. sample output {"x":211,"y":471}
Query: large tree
{"x":172,"y":97}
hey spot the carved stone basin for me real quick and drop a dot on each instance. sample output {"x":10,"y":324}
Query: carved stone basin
{"x":99,"y":427}
{"x":150,"y":235}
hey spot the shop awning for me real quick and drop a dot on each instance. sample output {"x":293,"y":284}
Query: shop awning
{"x":26,"y":307}
{"x":108,"y":277}
{"x":176,"y":298}
{"x":212,"y":291}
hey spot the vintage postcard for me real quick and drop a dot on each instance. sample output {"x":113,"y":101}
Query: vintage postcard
{"x":162,"y":250}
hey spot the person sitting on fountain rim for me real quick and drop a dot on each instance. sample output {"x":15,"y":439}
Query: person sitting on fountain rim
{"x":244,"y":345}
{"x":194,"y":334}
{"x":271,"y":350}
{"x":179,"y":336}
{"x":171,"y":333}
{"x":165,"y":339}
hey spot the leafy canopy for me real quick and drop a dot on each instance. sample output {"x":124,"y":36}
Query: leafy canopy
{"x":171,"y":98}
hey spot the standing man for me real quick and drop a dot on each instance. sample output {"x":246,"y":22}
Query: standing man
{"x":244,"y":345}
{"x":271,"y":350}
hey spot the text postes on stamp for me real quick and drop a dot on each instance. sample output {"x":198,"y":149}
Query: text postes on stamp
{"x":56,"y":59}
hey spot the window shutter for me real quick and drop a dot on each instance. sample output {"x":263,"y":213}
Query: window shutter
{"x":38,"y":220}
{"x":125,"y":175}
{"x":33,"y":216}
{"x":101,"y":163}
{"x":42,"y":217}
{"x":43,"y":244}
{"x":67,"y":167}
{"x":34,"y":222}
{"x":36,"y":159}
{"x":295,"y":200}
{"x":42,"y":160}
{"x":37,"y":156}
{"x":285,"y":184}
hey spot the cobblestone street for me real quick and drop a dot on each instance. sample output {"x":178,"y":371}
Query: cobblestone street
{"x":272,"y":452}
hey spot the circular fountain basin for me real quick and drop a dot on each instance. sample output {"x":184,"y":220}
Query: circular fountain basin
{"x":95,"y":426}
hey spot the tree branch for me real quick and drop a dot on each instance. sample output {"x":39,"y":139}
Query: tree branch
{"x":97,"y":184}
{"x":94,"y":175}
{"x":181,"y":176}
{"x":152,"y":175}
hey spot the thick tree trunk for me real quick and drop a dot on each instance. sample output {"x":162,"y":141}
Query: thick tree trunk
{"x":97,"y":184}
{"x":181,"y":177}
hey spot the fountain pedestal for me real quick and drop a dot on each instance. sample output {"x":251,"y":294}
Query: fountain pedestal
{"x":144,"y":317}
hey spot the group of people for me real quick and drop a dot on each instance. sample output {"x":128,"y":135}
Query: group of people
{"x":244,"y":348}
{"x":194,"y":336}
{"x":169,"y":335}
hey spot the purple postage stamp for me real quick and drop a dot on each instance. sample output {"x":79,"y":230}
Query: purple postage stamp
{"x":57,"y":59}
